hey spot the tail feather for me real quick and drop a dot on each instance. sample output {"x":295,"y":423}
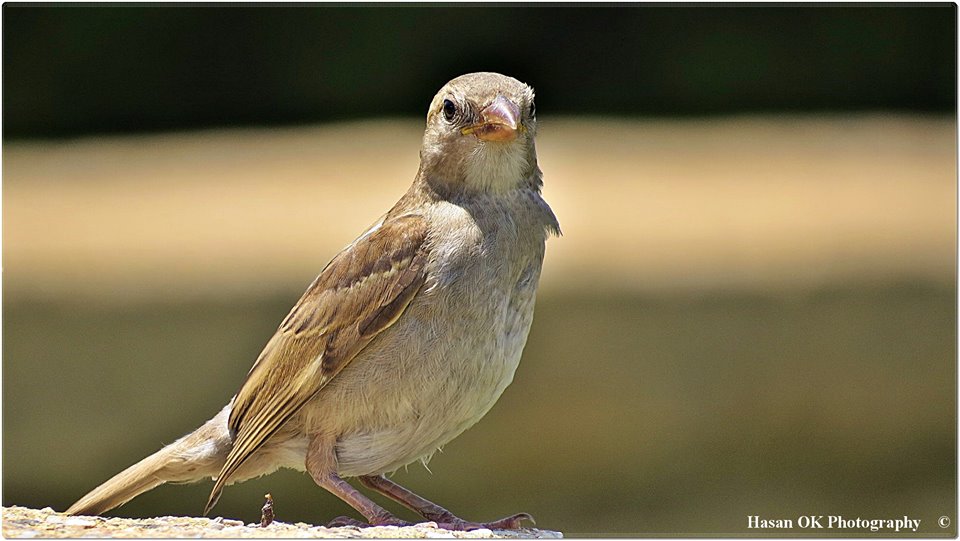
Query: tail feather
{"x":196,"y":456}
{"x":123,"y":487}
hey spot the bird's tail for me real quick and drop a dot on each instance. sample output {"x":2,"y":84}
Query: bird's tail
{"x":196,"y":456}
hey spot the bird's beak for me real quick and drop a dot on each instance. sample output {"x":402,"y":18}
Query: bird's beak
{"x":500,"y":121}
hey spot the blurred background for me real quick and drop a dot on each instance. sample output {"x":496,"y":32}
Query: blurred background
{"x":752,"y":310}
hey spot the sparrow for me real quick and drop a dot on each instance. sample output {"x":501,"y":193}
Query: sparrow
{"x":405,"y":339}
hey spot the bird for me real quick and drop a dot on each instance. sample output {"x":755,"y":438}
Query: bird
{"x":405,"y":339}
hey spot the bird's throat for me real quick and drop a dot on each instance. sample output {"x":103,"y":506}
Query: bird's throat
{"x":495,"y":167}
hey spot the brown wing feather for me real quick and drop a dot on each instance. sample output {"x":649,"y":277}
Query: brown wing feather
{"x":361,"y":292}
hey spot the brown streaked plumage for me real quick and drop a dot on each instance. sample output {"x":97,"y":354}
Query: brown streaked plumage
{"x":405,"y":339}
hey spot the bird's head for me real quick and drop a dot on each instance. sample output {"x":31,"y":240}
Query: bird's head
{"x":480,"y":135}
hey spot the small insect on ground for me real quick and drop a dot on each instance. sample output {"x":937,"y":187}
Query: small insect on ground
{"x":266,"y":512}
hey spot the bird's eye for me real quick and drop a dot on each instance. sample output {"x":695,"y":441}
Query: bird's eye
{"x":449,"y":110}
{"x":533,"y":109}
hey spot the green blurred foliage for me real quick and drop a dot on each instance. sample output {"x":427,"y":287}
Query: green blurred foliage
{"x":672,"y":414}
{"x":71,"y":70}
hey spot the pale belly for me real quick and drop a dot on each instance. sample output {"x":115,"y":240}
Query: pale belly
{"x":433,"y":376}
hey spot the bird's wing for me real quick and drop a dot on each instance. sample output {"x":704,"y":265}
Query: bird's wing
{"x":360,"y":293}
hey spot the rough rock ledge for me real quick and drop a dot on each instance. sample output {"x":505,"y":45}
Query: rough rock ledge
{"x":23,"y":522}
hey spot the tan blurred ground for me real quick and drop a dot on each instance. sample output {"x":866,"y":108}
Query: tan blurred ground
{"x":752,"y":202}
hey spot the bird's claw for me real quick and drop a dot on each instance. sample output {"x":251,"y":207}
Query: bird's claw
{"x":513,"y":522}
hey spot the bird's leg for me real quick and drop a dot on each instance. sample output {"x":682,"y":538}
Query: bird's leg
{"x":431,"y":511}
{"x":375,"y":515}
{"x":320,"y":463}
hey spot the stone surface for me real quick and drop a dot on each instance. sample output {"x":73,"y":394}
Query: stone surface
{"x":22,"y":522}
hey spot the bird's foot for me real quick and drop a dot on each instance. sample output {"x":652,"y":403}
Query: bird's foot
{"x":513,"y":522}
{"x":340,"y":522}
{"x":379,"y":521}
